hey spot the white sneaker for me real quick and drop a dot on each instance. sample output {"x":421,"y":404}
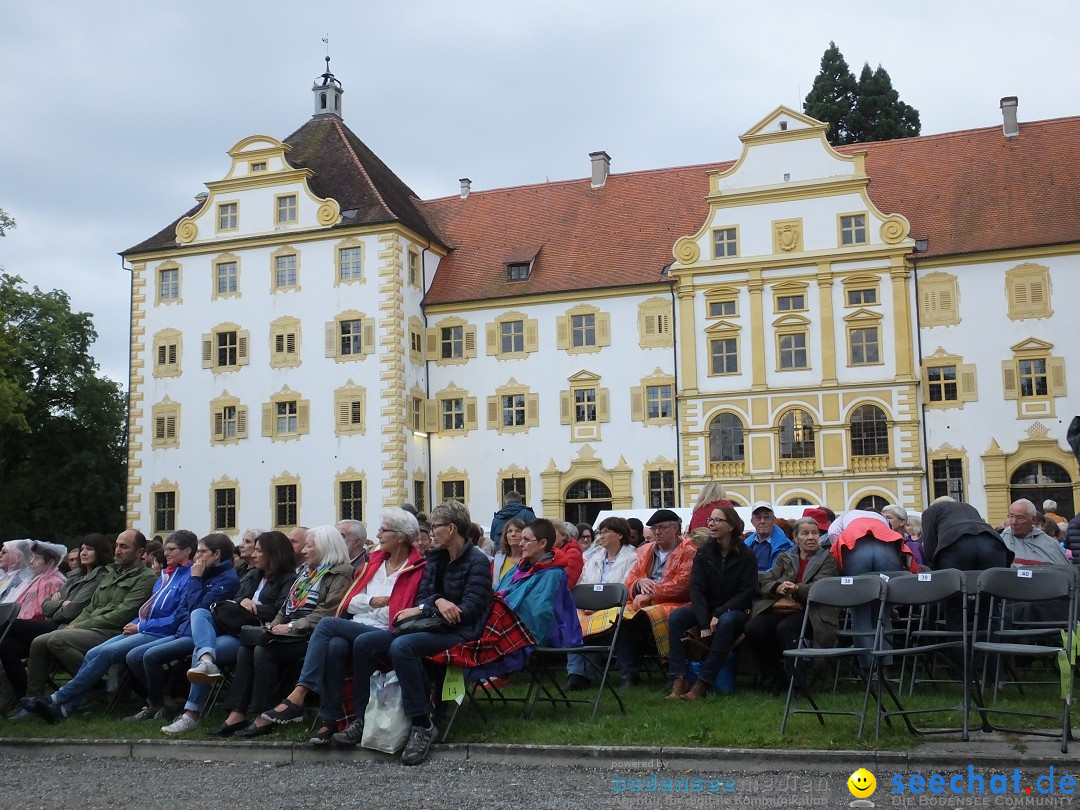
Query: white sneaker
{"x":204,"y":672}
{"x":180,"y":725}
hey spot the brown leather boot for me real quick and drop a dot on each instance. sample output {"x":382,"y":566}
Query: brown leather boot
{"x":699,"y":690}
{"x":678,"y":688}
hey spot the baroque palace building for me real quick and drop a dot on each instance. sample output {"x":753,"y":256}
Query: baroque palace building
{"x":884,"y":322}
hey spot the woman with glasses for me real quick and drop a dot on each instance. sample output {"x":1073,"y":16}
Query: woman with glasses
{"x":723,"y":582}
{"x":385,"y":584}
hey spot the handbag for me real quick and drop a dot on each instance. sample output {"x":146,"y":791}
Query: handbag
{"x":385,"y":725}
{"x":230,"y":618}
{"x":421,"y":624}
{"x":785,"y":604}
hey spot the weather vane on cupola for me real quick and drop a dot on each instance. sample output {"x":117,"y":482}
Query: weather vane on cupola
{"x":328,"y":92}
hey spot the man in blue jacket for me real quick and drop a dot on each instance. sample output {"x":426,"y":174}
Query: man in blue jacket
{"x":513,"y":507}
{"x":768,"y":540}
{"x":159,"y":616}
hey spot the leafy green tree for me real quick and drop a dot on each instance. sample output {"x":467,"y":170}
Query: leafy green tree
{"x":832,"y":96}
{"x":6,"y":222}
{"x":879,"y":114}
{"x":62,"y":427}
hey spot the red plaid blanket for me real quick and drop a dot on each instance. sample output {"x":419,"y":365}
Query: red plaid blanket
{"x":504,"y":633}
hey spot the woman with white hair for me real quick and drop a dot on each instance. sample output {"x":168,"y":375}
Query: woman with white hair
{"x":898,"y":521}
{"x":316,"y":592}
{"x":385,"y":584}
{"x":14,"y":568}
{"x":45,"y":579}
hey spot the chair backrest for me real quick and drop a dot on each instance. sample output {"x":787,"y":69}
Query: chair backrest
{"x":600,"y":596}
{"x":1026,"y":584}
{"x":924,"y":588}
{"x":846,"y":591}
{"x":9,"y":611}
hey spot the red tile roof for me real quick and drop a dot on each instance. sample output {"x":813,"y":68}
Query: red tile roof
{"x":966,"y":192}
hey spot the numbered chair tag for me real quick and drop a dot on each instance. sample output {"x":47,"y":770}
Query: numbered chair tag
{"x":924,"y":577}
{"x":597,"y":588}
{"x":884,"y":577}
{"x":453,"y":687}
{"x":846,"y":580}
{"x":1023,"y":573}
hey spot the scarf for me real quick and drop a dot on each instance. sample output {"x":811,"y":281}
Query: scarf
{"x":305,"y":590}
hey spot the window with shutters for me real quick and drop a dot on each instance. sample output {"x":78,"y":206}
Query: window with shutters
{"x":451,"y":341}
{"x":416,"y":409}
{"x":285,"y":209}
{"x":416,"y":276}
{"x":583,"y":330}
{"x":451,"y":412}
{"x":168,"y":276}
{"x":225,"y":348}
{"x":416,"y":340}
{"x":228,"y":216}
{"x":284,"y":270}
{"x":1028,"y":288}
{"x":513,"y":409}
{"x":286,"y":416}
{"x":852,"y":229}
{"x":228,"y":420}
{"x":1034,"y":378}
{"x":350,"y":407}
{"x":224,"y":496}
{"x":350,"y":262}
{"x":166,"y":353}
{"x":939,"y":300}
{"x":655,"y":324}
{"x":165,"y":424}
{"x":725,"y":242}
{"x":585,"y":406}
{"x":165,"y":498}
{"x":226,"y":277}
{"x":285,"y":495}
{"x":350,"y":336}
{"x":512,"y":336}
{"x":653,"y":401}
{"x":349,"y":489}
{"x":285,"y":343}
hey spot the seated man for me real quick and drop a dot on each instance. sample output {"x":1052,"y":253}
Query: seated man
{"x":1027,"y":541}
{"x":768,"y":540}
{"x":658,"y":583}
{"x":159,"y":616}
{"x":125,"y":585}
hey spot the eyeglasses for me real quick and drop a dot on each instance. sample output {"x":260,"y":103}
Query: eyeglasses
{"x":438,"y":525}
{"x":170,"y":549}
{"x":716,"y":520}
{"x":384,"y":530}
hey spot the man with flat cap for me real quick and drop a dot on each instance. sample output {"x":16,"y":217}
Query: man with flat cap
{"x":658,"y":583}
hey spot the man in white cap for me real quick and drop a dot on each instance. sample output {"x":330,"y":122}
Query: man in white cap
{"x":768,"y":540}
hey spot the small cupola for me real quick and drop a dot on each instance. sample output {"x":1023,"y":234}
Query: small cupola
{"x":328,"y":92}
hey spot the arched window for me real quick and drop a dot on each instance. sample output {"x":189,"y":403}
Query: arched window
{"x":322,"y":100}
{"x":797,"y":434}
{"x":726,"y":438}
{"x":585,"y":499}
{"x":798,"y":501}
{"x":872,"y":503}
{"x":1041,"y":480}
{"x":869,"y":431}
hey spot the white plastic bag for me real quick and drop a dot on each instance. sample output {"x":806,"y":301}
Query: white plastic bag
{"x":386,"y":728}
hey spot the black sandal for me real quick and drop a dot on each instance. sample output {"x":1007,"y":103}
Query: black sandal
{"x":322,"y":736}
{"x":291,"y":714}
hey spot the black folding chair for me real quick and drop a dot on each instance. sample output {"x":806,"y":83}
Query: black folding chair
{"x":1005,"y":586}
{"x":922,"y":593}
{"x":548,"y":663}
{"x":837,"y":592}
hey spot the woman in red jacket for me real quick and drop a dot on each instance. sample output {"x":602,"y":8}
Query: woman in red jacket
{"x":711,"y":497}
{"x":384,"y":585}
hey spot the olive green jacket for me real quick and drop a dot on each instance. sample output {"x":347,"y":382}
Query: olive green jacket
{"x":117,"y":599}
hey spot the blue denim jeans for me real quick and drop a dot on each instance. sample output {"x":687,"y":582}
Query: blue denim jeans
{"x":329,"y":651}
{"x":96,"y":664}
{"x":205,"y":637}
{"x":406,"y":654}
{"x":869,"y":556}
{"x":728,"y":628}
{"x":149,"y":663}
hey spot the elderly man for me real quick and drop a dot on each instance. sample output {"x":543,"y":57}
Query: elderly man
{"x":298,"y":537}
{"x":768,"y":540}
{"x":126,"y":585}
{"x":354,"y":532}
{"x":1030,"y":544}
{"x":658,"y":583}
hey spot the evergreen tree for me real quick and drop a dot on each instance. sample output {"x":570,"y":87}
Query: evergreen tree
{"x":879,"y":114}
{"x":832,"y":97}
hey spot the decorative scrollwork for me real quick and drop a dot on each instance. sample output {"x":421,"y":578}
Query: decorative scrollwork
{"x":328,"y":213}
{"x":686,"y":251}
{"x":894,"y":229}
{"x":186,"y":231}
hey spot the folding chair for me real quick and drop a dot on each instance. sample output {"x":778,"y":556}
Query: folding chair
{"x":1009,"y":585}
{"x":922,"y":593}
{"x":9,"y":612}
{"x":547,"y":661}
{"x":838,"y":592}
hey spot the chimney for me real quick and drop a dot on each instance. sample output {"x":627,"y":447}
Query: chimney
{"x":466,"y":187}
{"x":1008,"y":112}
{"x":601,"y":165}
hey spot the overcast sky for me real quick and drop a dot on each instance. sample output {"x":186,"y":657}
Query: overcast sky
{"x":114,"y":114}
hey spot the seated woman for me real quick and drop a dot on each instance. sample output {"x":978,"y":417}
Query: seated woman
{"x":261,"y":593}
{"x":776,"y":618}
{"x":536,"y":589}
{"x":611,"y":563}
{"x":723,"y":582}
{"x":45,"y":579}
{"x":212,"y":580}
{"x":385,"y":584}
{"x":316,"y":592}
{"x":509,"y":551}
{"x":456,"y":587}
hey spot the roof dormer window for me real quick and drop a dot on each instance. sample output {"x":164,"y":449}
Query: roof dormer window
{"x":518,"y":271}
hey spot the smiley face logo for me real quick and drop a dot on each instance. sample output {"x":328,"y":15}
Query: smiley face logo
{"x":862,"y":784}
